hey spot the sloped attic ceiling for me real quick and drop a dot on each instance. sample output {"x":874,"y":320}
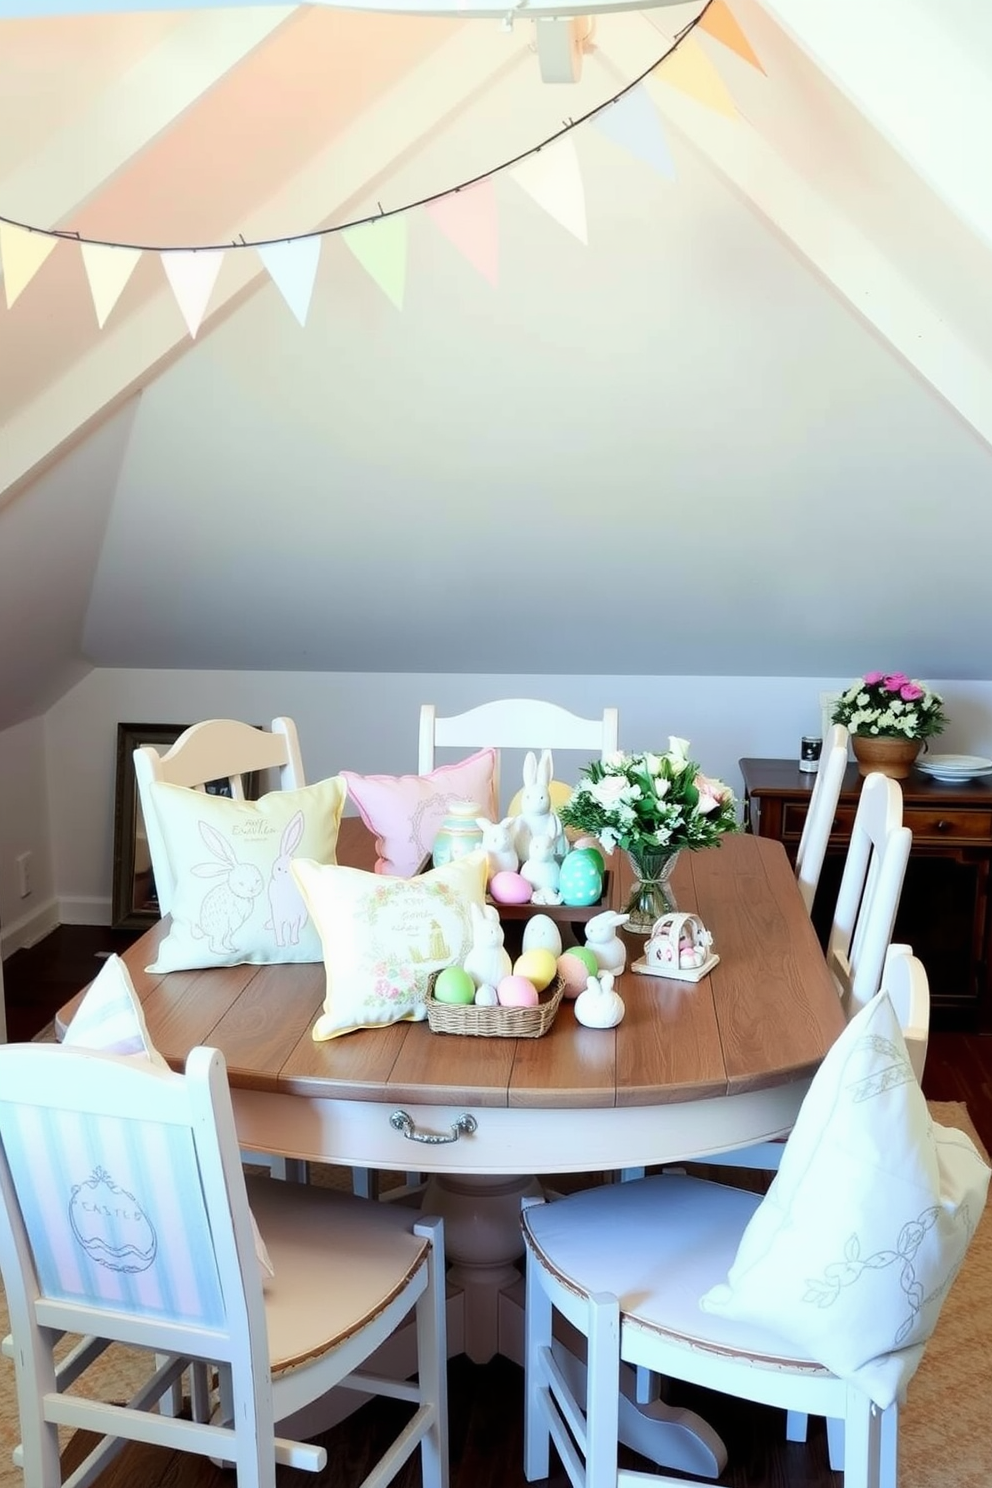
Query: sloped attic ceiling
{"x":743,"y":429}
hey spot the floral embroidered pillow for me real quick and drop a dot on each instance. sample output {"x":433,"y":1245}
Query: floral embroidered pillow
{"x":850,"y":1254}
{"x":405,"y":811}
{"x":236,"y":899}
{"x":384,"y":936}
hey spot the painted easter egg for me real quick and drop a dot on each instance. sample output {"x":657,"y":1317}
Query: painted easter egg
{"x":510,"y":888}
{"x":591,"y":846}
{"x":454,"y":984}
{"x":485,"y":996}
{"x":538,"y":966}
{"x":580,"y":882}
{"x":516,"y":991}
{"x":575,"y":970}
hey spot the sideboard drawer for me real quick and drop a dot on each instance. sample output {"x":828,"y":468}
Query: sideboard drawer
{"x":929,"y":823}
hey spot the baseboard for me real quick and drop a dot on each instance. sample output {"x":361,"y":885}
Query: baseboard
{"x":29,"y":928}
{"x":88,"y":910}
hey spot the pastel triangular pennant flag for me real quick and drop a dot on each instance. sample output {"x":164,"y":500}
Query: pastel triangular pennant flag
{"x":468,"y":220}
{"x":690,"y":70}
{"x":380,"y":248}
{"x":22,"y":254}
{"x":292,"y":266}
{"x":108,"y":270}
{"x":718,"y":21}
{"x":632,"y":123}
{"x":192,"y":274}
{"x":552,"y":177}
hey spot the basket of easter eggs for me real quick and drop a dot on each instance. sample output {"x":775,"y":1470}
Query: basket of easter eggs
{"x":522,"y":1004}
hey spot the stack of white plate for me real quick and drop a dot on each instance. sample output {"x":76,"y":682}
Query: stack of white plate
{"x":954,"y":767}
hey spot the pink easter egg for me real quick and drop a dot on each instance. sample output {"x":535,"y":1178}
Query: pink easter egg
{"x":516,"y":991}
{"x":574,"y":972}
{"x":510,"y":888}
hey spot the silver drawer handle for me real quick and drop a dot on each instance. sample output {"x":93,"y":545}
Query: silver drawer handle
{"x":403,"y":1122}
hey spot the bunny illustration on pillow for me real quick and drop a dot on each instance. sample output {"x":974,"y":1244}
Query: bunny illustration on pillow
{"x":287,"y":911}
{"x":536,"y":817}
{"x":226,"y":906}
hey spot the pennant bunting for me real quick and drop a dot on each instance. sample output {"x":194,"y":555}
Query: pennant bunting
{"x":717,"y":20}
{"x":380,"y":248}
{"x":108,"y":270}
{"x":468,"y":220}
{"x":552,"y":177}
{"x":292,"y":267}
{"x":633,"y":124}
{"x":192,"y":275}
{"x":22,"y":254}
{"x":690,"y":70}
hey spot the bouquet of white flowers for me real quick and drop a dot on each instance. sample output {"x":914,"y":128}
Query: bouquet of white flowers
{"x":890,"y":705}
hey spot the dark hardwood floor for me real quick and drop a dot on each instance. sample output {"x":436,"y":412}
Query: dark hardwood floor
{"x":485,"y":1400}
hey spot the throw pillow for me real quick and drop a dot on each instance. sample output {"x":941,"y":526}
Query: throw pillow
{"x":109,"y":1020}
{"x":851,"y":1253}
{"x":236,"y":900}
{"x":405,"y":811}
{"x":384,"y":936}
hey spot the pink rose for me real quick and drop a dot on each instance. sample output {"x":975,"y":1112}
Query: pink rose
{"x":711,"y":794}
{"x":872,"y":677}
{"x":910,"y":693}
{"x":896,"y":682}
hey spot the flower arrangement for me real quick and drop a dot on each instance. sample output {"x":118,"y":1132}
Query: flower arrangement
{"x":890,"y":705}
{"x":651,"y":803}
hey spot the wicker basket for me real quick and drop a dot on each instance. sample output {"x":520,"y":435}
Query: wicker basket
{"x":495,"y":1022}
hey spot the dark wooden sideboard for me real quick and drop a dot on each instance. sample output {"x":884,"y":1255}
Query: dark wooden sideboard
{"x":944,"y":911}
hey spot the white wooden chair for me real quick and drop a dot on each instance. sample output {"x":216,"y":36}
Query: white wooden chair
{"x":125,"y":1217}
{"x":515,"y":723}
{"x":663,"y":1245}
{"x":216,"y":749}
{"x":870,"y":888}
{"x":820,"y":815}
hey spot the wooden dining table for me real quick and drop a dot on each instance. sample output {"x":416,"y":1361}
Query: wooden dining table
{"x":693,"y":1069}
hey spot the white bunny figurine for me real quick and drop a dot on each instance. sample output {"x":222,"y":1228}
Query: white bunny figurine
{"x":541,"y":871}
{"x":536,"y":818}
{"x":604,"y":942}
{"x":497,"y":840}
{"x":487,"y":963}
{"x":599,"y":1006}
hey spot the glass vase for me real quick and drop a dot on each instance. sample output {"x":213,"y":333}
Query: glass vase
{"x":651,"y":893}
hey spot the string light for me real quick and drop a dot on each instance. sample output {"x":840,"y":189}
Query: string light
{"x":381,"y":213}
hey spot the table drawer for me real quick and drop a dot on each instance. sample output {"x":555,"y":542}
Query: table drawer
{"x":927,"y":823}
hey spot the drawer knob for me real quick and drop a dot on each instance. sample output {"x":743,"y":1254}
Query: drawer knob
{"x":403,"y":1122}
{"x":944,"y":826}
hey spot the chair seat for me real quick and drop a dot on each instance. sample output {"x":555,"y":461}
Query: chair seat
{"x":311,"y":1235}
{"x":615,"y":1239}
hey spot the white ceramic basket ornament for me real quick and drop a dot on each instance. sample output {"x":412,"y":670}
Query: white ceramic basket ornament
{"x":679,"y":947}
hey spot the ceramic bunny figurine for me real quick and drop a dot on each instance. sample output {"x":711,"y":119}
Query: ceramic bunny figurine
{"x":487,"y":963}
{"x":604,"y":942}
{"x":536,"y":817}
{"x":541,"y":871}
{"x":599,"y":1006}
{"x":497,"y":840}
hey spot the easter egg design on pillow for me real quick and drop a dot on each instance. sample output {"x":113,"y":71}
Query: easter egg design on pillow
{"x":580,"y":881}
{"x":111,"y":1225}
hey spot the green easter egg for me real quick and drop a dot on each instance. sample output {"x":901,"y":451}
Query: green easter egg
{"x":586,"y":956}
{"x":454,"y":984}
{"x":593,"y":853}
{"x":580,"y":881}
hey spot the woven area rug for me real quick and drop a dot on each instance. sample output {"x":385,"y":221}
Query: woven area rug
{"x":946,"y":1432}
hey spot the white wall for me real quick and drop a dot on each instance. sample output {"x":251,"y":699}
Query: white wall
{"x":25,"y":827}
{"x":369,"y":722}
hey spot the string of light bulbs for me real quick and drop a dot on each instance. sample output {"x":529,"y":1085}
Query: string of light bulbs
{"x":68,"y":235}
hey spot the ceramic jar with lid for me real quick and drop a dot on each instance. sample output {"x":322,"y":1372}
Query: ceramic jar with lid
{"x":458,"y":834}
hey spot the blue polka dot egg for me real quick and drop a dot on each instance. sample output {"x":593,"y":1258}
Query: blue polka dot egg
{"x":581,"y":880}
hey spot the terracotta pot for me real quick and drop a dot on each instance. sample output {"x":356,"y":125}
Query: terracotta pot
{"x":892,"y":757}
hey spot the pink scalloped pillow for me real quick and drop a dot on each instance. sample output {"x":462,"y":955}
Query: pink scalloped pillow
{"x":405,"y":811}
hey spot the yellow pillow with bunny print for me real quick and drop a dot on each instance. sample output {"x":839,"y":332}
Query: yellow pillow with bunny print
{"x":236,"y":899}
{"x":383,"y":937}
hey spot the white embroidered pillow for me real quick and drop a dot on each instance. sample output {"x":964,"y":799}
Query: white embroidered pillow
{"x":384,"y":936}
{"x":850,"y":1254}
{"x":236,"y":899}
{"x":110,"y":1020}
